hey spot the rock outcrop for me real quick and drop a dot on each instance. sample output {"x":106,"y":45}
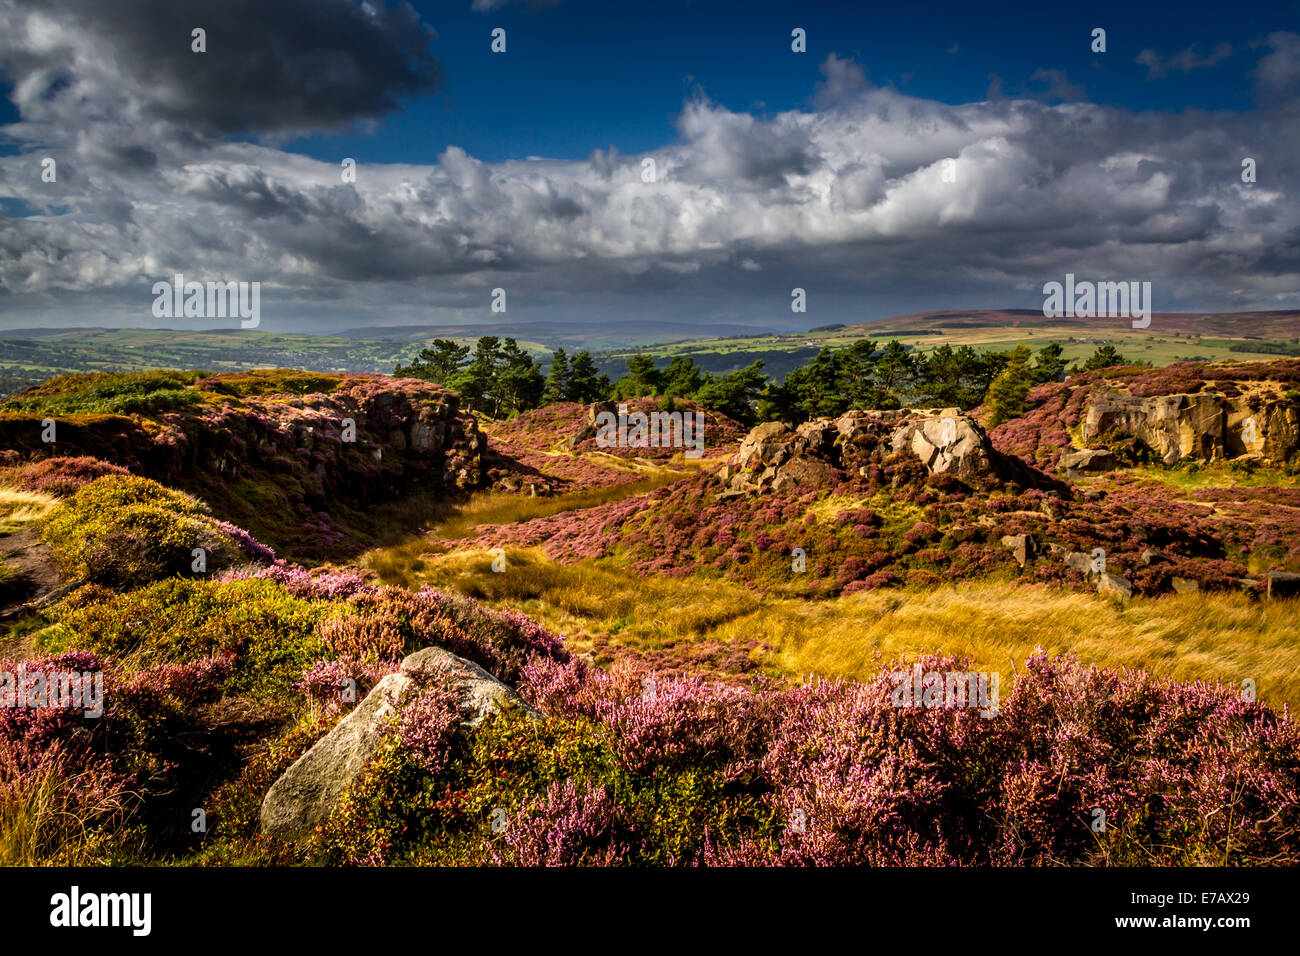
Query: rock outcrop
{"x":1202,"y":426}
{"x":776,"y":457}
{"x":306,"y":793}
{"x":949,"y":443}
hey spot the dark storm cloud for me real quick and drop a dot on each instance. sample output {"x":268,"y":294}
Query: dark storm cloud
{"x":276,"y":66}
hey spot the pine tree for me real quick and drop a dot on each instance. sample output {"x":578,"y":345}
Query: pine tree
{"x":586,"y":385}
{"x":557,"y":379}
{"x":440,"y":364}
{"x":1007,"y":396}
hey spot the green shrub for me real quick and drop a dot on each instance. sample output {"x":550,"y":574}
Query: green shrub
{"x":122,"y":393}
{"x":274,"y":381}
{"x":398,"y":814}
{"x":269,"y":636}
{"x":125,"y":531}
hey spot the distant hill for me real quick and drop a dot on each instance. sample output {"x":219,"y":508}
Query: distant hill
{"x":1279,"y":324}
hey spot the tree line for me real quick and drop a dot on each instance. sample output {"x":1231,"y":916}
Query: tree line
{"x":499,"y":379}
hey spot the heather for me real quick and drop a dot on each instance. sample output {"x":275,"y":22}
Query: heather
{"x":107,"y":394}
{"x":632,"y":769}
{"x":75,"y":790}
{"x":894,"y":526}
{"x":127,"y":531}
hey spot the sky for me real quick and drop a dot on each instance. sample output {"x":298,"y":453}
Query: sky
{"x":622,"y":162}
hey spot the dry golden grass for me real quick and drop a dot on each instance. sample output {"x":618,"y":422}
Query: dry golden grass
{"x":18,"y":508}
{"x":1216,"y":637}
{"x":39,"y":828}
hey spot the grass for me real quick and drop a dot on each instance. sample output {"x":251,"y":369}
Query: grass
{"x":498,"y":507}
{"x":38,"y":827}
{"x":1216,"y":637}
{"x":19,"y":508}
{"x":1219,"y":474}
{"x":121,"y":393}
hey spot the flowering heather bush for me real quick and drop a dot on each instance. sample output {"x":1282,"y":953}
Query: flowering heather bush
{"x":568,"y":826}
{"x":319,"y":584}
{"x":58,"y":476}
{"x":69,"y":785}
{"x":834,"y":774}
{"x":123,"y":530}
{"x":328,"y":684}
{"x":392,"y":622}
{"x":427,"y":718}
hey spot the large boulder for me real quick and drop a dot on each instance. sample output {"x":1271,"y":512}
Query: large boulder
{"x":949,"y":443}
{"x":306,"y":793}
{"x":775,"y":457}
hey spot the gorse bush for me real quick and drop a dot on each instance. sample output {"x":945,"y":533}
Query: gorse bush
{"x":125,"y":531}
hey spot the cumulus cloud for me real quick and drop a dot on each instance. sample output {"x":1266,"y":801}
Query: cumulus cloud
{"x":876,"y":191}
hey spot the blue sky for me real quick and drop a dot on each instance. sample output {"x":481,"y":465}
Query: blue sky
{"x":917,"y":157}
{"x":590,"y":74}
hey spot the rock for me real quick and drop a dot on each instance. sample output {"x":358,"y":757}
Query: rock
{"x":1113,"y":584}
{"x":304,"y":795}
{"x":806,"y":471}
{"x":1202,"y":426}
{"x":1150,"y":556}
{"x":949,"y":444}
{"x":766,"y":444}
{"x":1080,"y":561}
{"x":1283,"y":584}
{"x":1088,"y":461}
{"x":1186,"y":586}
{"x":1022,"y":547}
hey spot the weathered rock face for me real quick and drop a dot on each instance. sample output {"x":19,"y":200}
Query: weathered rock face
{"x":776,"y":457}
{"x":306,"y":793}
{"x":1205,"y":426}
{"x":949,"y":443}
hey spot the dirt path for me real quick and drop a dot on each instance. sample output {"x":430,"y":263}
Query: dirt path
{"x":36,"y":575}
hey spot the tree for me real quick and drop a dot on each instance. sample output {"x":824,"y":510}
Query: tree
{"x":557,"y":379}
{"x":895,"y":371}
{"x":475,"y":382}
{"x":441,"y":363}
{"x":585,"y":384}
{"x":642,"y":378}
{"x":682,"y":378}
{"x":1104,"y":357}
{"x":1050,"y":366}
{"x":734,"y":394}
{"x":1007,"y":395}
{"x":518,"y":383}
